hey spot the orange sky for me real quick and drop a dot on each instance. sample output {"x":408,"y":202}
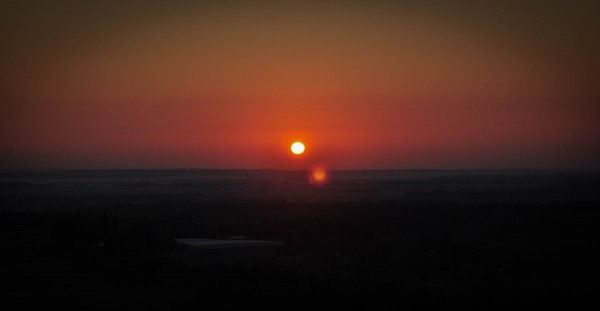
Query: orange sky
{"x":363,"y":84}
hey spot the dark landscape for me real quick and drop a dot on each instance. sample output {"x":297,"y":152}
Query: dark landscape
{"x":490,"y":239}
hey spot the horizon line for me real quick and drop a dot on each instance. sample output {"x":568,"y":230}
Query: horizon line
{"x":305,"y":169}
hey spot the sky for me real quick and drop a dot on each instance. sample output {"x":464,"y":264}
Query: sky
{"x":364,"y":84}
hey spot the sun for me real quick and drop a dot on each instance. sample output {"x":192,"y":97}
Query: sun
{"x":297,"y":148}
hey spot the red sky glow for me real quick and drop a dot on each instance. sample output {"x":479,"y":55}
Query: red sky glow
{"x":365,"y":85}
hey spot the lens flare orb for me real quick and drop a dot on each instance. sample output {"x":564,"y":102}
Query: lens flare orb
{"x":318,"y":176}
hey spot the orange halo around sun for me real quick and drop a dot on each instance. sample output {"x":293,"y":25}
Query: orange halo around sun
{"x":297,"y":148}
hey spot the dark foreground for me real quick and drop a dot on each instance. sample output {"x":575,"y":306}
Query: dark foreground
{"x":390,"y":240}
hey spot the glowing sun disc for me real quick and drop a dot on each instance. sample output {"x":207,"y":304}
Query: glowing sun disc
{"x":297,"y":148}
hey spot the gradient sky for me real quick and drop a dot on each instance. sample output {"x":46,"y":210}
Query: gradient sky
{"x":365,"y":84}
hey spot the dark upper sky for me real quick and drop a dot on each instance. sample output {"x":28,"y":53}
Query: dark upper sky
{"x":365,"y":84}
